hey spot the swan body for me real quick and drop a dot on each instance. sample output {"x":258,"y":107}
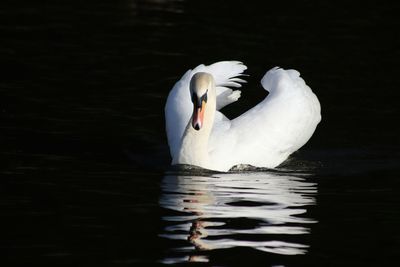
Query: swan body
{"x":264,"y":136}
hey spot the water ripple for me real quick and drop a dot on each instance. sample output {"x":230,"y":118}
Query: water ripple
{"x":259,"y":210}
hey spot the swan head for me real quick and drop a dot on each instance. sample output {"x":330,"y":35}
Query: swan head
{"x":201,"y":86}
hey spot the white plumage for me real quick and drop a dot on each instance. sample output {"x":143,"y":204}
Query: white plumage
{"x":264,"y":136}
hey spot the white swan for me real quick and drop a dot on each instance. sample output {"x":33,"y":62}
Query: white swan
{"x":264,"y":136}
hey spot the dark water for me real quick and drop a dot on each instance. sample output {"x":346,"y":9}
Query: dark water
{"x":85,"y":177}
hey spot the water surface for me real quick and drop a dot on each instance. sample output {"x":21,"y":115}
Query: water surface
{"x":261,"y":211}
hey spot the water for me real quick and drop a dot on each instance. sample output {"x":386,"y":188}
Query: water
{"x":85,"y":176}
{"x":228,"y":210}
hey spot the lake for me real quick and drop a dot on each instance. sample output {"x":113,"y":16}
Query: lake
{"x":86,"y":176}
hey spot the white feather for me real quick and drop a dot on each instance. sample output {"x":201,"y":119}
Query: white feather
{"x":265,"y":135}
{"x":178,"y":108}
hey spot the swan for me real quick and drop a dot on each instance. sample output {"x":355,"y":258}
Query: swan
{"x":264,"y":136}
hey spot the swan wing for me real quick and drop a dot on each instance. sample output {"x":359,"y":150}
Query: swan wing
{"x":178,"y":108}
{"x":267,"y":134}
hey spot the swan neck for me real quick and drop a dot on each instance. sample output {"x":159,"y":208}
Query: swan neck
{"x":194,"y":146}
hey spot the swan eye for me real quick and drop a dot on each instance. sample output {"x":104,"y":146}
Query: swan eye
{"x":204,"y":97}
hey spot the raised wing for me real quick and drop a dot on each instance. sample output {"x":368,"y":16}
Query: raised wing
{"x":178,"y":108}
{"x":273,"y":129}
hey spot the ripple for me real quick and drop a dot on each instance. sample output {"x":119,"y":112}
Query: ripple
{"x":259,"y":210}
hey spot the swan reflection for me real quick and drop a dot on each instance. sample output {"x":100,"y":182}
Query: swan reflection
{"x":221,"y":211}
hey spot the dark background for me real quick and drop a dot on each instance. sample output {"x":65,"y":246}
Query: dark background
{"x":83,"y":147}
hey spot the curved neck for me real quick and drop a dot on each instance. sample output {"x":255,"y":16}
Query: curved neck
{"x":194,"y":146}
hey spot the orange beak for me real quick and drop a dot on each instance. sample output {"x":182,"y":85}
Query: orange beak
{"x":198,"y":115}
